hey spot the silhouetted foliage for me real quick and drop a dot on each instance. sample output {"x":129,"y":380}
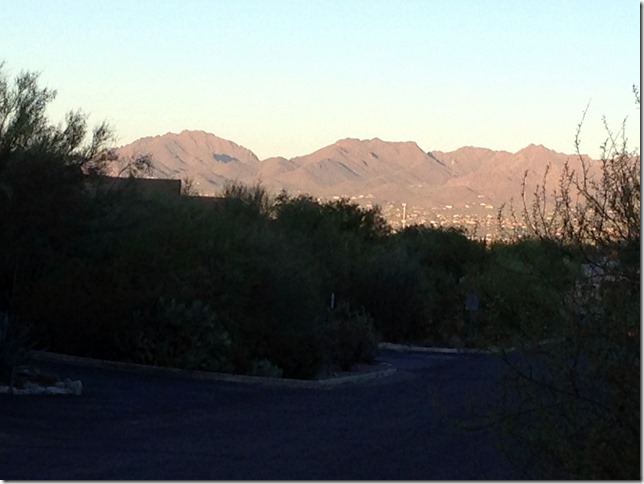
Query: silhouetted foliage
{"x":43,"y":209}
{"x":348,"y":337}
{"x":183,"y":336}
{"x":579,"y":390}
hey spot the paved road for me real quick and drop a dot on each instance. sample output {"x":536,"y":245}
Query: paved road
{"x":133,"y":426}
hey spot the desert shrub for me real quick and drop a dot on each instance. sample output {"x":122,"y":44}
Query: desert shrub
{"x":266,"y":294}
{"x":41,"y":223}
{"x":522,"y":290}
{"x":73,"y":314}
{"x":265,"y":288}
{"x":303,"y":213}
{"x":391,"y":286}
{"x":365,"y":223}
{"x":336,"y":234}
{"x":348,"y":337}
{"x":251,"y":201}
{"x":359,"y":261}
{"x":264,"y":367}
{"x":182,"y":335}
{"x":413,"y":285}
{"x":579,"y":396}
{"x":86,"y":297}
{"x":447,"y":249}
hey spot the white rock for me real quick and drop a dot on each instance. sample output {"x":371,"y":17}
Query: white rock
{"x":65,"y":387}
{"x":75,"y":386}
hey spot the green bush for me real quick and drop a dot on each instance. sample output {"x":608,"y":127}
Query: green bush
{"x":266,"y":290}
{"x":184,"y":336}
{"x":265,"y":368}
{"x":412,"y":283}
{"x":522,"y":291}
{"x":449,"y":261}
{"x":349,"y":337}
{"x":86,"y":297}
{"x":252,"y":202}
{"x":391,"y":286}
{"x":337,"y":235}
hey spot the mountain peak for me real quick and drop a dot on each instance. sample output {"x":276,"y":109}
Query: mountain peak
{"x":377,"y":143}
{"x":535,"y":149}
{"x":378,"y":170}
{"x":209,"y":159}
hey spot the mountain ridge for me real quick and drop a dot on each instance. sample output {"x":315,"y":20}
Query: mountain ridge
{"x":372,"y":170}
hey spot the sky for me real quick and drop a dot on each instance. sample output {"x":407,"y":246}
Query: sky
{"x":287,"y":77}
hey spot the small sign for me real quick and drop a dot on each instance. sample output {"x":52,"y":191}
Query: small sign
{"x":471,"y":302}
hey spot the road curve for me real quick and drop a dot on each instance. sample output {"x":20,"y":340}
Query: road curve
{"x":128,"y":425}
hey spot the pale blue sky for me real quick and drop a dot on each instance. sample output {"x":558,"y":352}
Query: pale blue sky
{"x":286,"y":77}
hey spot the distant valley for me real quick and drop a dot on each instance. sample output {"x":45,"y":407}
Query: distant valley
{"x":463,"y":187}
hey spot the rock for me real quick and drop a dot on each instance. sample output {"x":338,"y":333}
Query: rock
{"x":65,"y":387}
{"x":75,"y":386}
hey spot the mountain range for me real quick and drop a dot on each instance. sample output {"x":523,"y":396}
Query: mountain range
{"x":373,"y":171}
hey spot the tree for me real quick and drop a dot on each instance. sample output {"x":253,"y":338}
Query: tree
{"x":25,"y":128}
{"x":579,"y":396}
{"x":42,"y":171}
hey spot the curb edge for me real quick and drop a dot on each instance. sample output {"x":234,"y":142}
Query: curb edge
{"x":213,"y":376}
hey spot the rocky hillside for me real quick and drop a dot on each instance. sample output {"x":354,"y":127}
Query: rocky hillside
{"x":209,"y":160}
{"x":373,"y":170}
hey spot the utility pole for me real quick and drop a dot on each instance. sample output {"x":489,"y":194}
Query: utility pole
{"x":404,"y":217}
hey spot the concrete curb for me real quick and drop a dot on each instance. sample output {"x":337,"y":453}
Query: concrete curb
{"x":385,"y":369}
{"x":492,"y":350}
{"x":426,"y":349}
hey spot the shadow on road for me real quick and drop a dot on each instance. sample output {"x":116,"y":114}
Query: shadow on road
{"x":415,"y":424}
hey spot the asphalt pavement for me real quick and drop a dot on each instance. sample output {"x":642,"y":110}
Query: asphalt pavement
{"x":412,"y":424}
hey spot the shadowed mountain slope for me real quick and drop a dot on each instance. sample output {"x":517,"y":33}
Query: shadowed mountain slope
{"x":376,"y":170}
